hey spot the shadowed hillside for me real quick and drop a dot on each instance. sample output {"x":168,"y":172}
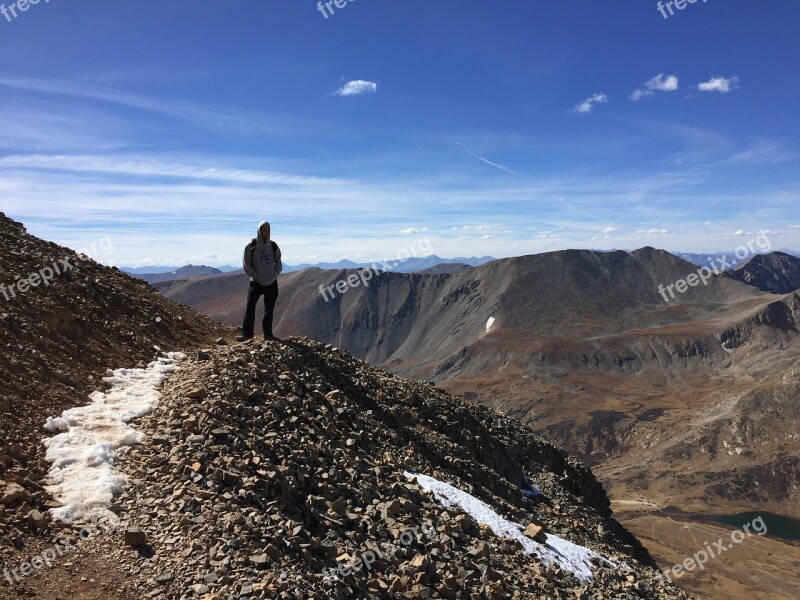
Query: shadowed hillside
{"x":776,"y":272}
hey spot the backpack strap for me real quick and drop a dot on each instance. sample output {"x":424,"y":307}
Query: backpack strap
{"x":252,"y":247}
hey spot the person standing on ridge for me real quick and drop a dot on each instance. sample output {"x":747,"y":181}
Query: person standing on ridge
{"x":262,"y":262}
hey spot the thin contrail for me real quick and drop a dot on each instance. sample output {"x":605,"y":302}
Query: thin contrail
{"x":488,"y":162}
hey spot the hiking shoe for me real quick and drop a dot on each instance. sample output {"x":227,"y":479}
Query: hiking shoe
{"x":242,"y":338}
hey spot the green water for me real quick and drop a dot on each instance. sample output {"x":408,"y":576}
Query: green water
{"x":776,"y":525}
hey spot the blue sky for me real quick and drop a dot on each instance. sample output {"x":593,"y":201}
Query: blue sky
{"x":503,"y":128}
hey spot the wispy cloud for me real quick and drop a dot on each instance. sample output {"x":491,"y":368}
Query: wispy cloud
{"x":723,"y":85}
{"x":356,"y":88}
{"x":150,"y":167}
{"x":203,"y":116}
{"x":410,"y":230}
{"x":488,"y":162}
{"x":587,"y":105}
{"x":659,"y":83}
{"x":213,"y":203}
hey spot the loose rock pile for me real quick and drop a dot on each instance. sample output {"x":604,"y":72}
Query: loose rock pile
{"x":269,"y":466}
{"x":57,"y":341}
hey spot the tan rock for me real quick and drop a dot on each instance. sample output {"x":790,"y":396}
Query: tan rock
{"x":536,"y":533}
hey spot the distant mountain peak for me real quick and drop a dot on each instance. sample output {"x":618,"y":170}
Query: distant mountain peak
{"x":776,"y":272}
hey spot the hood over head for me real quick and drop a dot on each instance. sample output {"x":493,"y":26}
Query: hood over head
{"x":258,"y":231}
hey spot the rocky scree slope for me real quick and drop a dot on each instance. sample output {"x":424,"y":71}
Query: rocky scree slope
{"x":268,"y":463}
{"x":57,"y":341}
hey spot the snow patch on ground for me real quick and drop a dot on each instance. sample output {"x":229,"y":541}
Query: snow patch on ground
{"x":489,"y":324}
{"x":82,"y":476}
{"x":570,"y":557}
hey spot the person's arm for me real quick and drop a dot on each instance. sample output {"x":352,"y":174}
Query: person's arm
{"x":278,"y":262}
{"x":246,"y":262}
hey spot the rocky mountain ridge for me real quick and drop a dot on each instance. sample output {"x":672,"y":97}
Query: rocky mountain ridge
{"x":269,"y":466}
{"x":265,"y":466}
{"x":776,"y":272}
{"x":583,"y":347}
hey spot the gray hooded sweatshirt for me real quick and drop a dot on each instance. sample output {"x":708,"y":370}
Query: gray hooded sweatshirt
{"x":262,"y":259}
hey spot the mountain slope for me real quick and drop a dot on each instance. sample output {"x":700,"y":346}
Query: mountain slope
{"x":303,"y":453}
{"x":58,"y":339}
{"x":429,"y":320}
{"x":263,"y":466}
{"x":776,"y":272}
{"x":583,"y":348}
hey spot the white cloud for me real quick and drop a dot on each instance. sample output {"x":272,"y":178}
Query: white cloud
{"x":659,"y":83}
{"x":742,"y":232}
{"x":723,"y":85}
{"x":409,"y":230}
{"x":477,"y":228}
{"x":794,"y":226}
{"x":654,"y":231}
{"x":609,"y":230}
{"x":587,"y":105}
{"x":357,"y":87}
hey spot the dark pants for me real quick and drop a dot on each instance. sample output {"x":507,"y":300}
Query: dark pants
{"x":270,"y":293}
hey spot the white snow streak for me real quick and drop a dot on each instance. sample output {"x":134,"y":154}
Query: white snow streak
{"x":570,"y":557}
{"x":82,"y":476}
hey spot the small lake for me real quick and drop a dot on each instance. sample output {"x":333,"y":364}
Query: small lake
{"x":777,"y":525}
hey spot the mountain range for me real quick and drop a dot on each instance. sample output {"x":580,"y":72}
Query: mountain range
{"x":427,"y":264}
{"x":690,"y":403}
{"x":684,"y":406}
{"x":408,"y":265}
{"x":286,"y":469}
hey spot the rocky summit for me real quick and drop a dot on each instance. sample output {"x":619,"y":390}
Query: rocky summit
{"x":285,"y":469}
